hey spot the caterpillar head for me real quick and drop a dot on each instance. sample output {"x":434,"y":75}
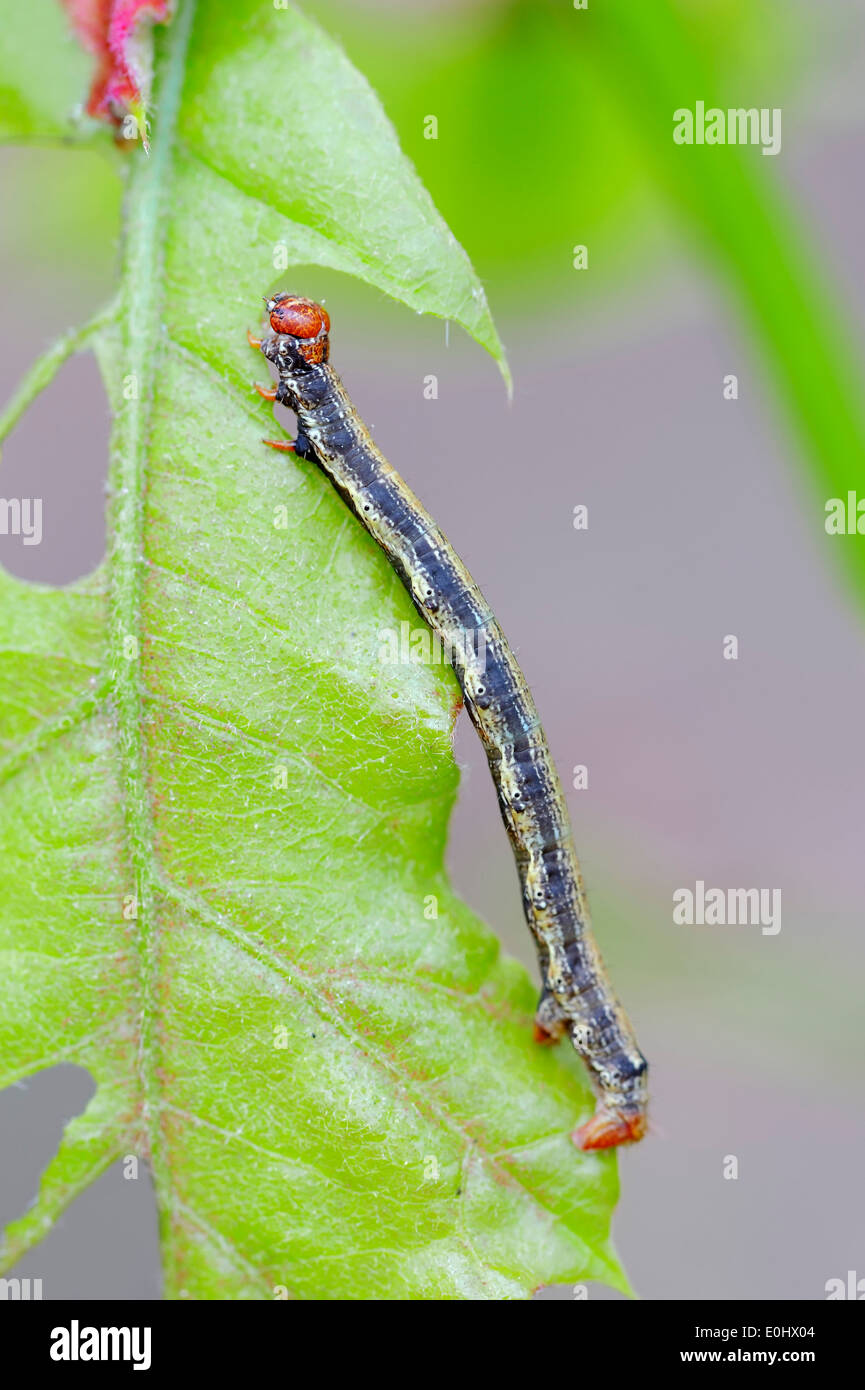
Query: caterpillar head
{"x":302,"y":328}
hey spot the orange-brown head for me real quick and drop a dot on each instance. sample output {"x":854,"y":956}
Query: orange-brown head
{"x":608,"y":1128}
{"x":304,"y":321}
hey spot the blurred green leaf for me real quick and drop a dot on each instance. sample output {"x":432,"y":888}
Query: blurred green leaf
{"x":555,"y":128}
{"x":529,"y":153}
{"x":534,"y":146}
{"x":43,"y":71}
{"x":731,"y":199}
{"x":81,"y":193}
{"x":224,"y":819}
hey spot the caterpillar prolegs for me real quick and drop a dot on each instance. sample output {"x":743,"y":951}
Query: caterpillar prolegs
{"x":577,"y":997}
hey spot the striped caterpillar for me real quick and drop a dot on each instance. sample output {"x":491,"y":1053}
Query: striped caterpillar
{"x":576,"y":997}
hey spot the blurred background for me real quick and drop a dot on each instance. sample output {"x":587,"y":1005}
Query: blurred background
{"x":705,"y":519}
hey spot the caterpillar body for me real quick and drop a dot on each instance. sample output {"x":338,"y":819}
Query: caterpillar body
{"x":577,"y":997}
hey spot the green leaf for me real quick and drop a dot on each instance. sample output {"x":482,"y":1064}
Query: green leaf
{"x":225,"y":820}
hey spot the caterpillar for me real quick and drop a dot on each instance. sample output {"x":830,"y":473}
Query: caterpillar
{"x":576,"y":997}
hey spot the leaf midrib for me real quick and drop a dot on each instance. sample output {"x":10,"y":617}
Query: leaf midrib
{"x":146,"y":210}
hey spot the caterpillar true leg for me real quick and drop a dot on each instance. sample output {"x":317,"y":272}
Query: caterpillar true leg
{"x":577,"y":997}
